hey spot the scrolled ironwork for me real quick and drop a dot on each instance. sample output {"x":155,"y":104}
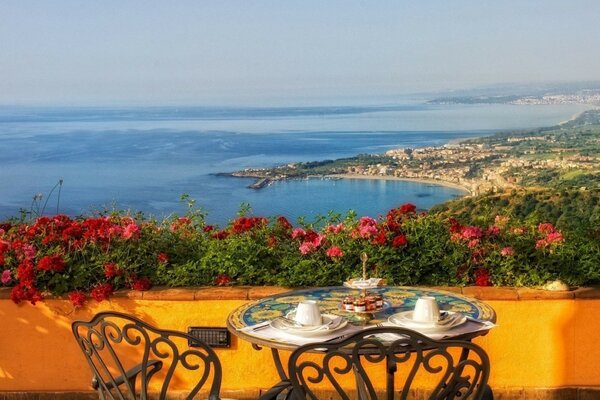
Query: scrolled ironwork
{"x":122,"y":350}
{"x":455,"y":369}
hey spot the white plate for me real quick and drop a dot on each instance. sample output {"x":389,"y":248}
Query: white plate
{"x":404,"y":319}
{"x":316,"y":330}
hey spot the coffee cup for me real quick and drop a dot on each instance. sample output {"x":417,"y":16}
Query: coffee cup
{"x":426,"y":310}
{"x":308,"y":313}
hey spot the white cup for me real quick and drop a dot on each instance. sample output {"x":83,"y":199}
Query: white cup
{"x":308,"y":313}
{"x":426,"y":310}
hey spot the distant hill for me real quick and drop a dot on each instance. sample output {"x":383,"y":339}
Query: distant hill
{"x":567,"y":209}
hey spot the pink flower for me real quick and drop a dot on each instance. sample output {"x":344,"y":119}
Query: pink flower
{"x":555,"y":237}
{"x":473,"y":243}
{"x":307,"y":247}
{"x":131,"y":231}
{"x":335,"y":228}
{"x":298,"y":232}
{"x":507,"y":252}
{"x":471,"y":232}
{"x":29,"y":251}
{"x":318,"y":240}
{"x":334,"y":252}
{"x":6,"y":277}
{"x":493,"y":231}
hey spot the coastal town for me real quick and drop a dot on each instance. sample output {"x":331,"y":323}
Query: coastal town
{"x":567,"y":155}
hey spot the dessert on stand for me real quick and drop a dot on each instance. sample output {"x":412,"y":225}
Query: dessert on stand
{"x":365,"y":303}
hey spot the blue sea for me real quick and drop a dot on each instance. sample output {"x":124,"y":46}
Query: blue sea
{"x":145,"y":158}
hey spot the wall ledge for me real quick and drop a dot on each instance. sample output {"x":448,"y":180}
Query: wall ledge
{"x":257,"y":292}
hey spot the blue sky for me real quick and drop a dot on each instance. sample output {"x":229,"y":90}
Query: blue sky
{"x":257,"y":52}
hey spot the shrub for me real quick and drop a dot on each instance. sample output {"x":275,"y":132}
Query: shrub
{"x":94,"y":256}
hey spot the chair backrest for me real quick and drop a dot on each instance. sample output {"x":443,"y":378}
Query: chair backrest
{"x":125,"y":352}
{"x":399,"y":357}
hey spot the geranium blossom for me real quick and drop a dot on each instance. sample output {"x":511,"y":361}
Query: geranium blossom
{"x":507,"y":251}
{"x":482,"y":277}
{"x":399,"y":241}
{"x":162,"y":258}
{"x":111,"y":270}
{"x":334,"y":252}
{"x":298,"y":233}
{"x":141,"y":284}
{"x":6,"y":277}
{"x":335,"y":228}
{"x":51,"y":263}
{"x":102,"y":291}
{"x":222,"y":280}
{"x":307,"y":247}
{"x":77,"y":298}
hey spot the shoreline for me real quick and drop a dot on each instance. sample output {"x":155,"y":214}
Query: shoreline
{"x":453,"y":185}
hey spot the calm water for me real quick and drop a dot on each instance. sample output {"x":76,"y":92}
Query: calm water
{"x":145,"y":158}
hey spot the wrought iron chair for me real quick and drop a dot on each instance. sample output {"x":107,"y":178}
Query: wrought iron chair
{"x":123,"y":351}
{"x":459,"y":369}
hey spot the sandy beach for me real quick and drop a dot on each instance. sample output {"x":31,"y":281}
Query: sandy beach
{"x":395,"y":178}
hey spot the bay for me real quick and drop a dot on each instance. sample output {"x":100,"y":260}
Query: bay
{"x":143,"y":159}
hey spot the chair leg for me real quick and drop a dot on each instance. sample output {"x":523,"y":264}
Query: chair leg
{"x":487,"y":393}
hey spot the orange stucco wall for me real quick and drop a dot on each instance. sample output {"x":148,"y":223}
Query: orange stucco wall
{"x":538,"y":343}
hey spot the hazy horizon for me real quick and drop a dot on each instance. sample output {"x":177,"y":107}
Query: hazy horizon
{"x":267,"y":52}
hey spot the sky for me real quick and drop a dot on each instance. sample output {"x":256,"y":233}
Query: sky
{"x":258,"y":52}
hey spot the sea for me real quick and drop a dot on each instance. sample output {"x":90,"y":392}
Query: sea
{"x":143,"y":159}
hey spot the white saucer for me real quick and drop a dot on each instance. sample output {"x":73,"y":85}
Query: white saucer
{"x":308,"y":330}
{"x":405,"y":320}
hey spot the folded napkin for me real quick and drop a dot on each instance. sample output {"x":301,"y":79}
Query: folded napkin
{"x":468,"y":327}
{"x":266,"y":332}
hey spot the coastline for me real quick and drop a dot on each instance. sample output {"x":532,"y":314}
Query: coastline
{"x":453,"y":185}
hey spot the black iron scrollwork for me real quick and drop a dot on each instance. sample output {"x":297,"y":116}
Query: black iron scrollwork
{"x":458,"y":369}
{"x":123,"y":351}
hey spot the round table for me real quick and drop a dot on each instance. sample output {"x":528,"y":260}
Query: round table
{"x":396,"y":299}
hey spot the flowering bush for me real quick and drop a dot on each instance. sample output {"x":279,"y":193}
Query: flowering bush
{"x":90,"y":258}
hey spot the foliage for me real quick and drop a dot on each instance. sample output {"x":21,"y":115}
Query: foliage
{"x":93,"y":256}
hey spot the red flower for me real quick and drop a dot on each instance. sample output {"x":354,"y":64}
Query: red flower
{"x":407,"y":208}
{"x":399,"y":241}
{"x":482,"y":277}
{"x":141,"y":284}
{"x":102,"y":291}
{"x":26,"y":273}
{"x":51,"y":263}
{"x":162,"y":258}
{"x":208,"y":228}
{"x":77,"y":298}
{"x":334,"y":252}
{"x":221,"y":235}
{"x":284,"y":223}
{"x":380,"y":239}
{"x":23,"y":293}
{"x":111,"y":270}
{"x":244,"y":224}
{"x":272,"y":241}
{"x":222,"y":280}
{"x":546,"y":228}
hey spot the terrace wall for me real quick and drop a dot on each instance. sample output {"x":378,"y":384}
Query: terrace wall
{"x":546,"y":345}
